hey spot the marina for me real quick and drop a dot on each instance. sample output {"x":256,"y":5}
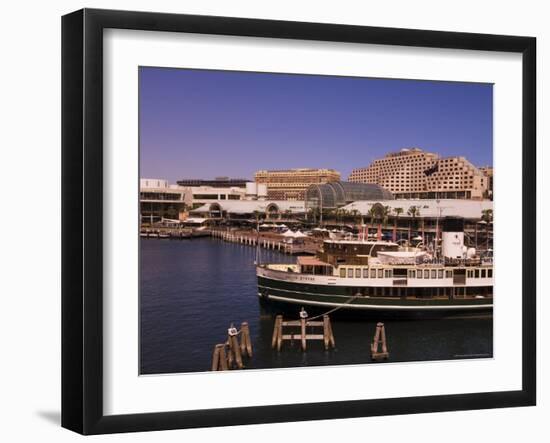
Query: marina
{"x":191,"y":291}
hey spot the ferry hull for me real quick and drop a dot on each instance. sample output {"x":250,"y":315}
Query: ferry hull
{"x":281,"y":292}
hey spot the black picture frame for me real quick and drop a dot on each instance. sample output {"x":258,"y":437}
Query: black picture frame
{"x":82,"y":215}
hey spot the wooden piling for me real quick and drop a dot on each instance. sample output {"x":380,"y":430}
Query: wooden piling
{"x":234,"y":348}
{"x":246,"y":343}
{"x":216,"y":358}
{"x":379,"y":339}
{"x":219,"y":358}
{"x":325,"y":331}
{"x":278,"y":319}
{"x":280,"y":334}
{"x":303,"y":323}
{"x":303,"y":318}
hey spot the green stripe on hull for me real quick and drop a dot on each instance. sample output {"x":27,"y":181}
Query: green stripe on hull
{"x":334,"y":295}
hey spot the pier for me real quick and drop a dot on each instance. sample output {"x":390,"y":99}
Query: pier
{"x":267,"y":241}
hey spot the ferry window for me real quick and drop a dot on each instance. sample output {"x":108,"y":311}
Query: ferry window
{"x":358,"y":273}
{"x":387,"y":273}
{"x":440,"y":273}
{"x":434,"y":273}
{"x":483,"y":273}
{"x":426,"y":273}
{"x":380,"y":273}
{"x":373,"y":273}
{"x":350,"y":273}
{"x":365,"y":273}
{"x":469,"y":273}
{"x":412,"y":273}
{"x":477,"y":273}
{"x":489,"y":273}
{"x":342,"y":272}
{"x":419,"y":274}
{"x":449,"y":274}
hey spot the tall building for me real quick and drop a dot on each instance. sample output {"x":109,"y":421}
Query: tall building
{"x":414,"y":173}
{"x":291,"y":184}
{"x":489,"y":173}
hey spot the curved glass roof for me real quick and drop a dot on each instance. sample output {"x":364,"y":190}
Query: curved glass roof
{"x":336,"y":194}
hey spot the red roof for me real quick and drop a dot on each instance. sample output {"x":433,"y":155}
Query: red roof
{"x":311,"y":261}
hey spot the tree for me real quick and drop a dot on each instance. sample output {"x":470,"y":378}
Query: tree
{"x":413,"y":211}
{"x":373,"y":213}
{"x":397,"y":211}
{"x":386,"y":215}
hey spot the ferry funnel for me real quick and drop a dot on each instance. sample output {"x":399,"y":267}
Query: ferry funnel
{"x":452,"y":241}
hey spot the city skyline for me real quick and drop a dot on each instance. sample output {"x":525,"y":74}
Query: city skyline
{"x":206,"y":124}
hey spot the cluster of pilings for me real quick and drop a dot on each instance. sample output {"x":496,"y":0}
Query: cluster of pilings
{"x":229,"y":355}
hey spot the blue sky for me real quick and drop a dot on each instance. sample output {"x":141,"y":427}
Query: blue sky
{"x":203,"y":124}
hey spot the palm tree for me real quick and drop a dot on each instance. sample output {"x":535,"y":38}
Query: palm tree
{"x":386,"y":210}
{"x":373,"y":213}
{"x":345,"y":214}
{"x":413,"y":211}
{"x":398,"y":211}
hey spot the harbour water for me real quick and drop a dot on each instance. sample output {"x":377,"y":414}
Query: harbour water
{"x":192,"y":290}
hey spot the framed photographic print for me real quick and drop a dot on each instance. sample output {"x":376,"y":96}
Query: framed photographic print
{"x":269,"y":221}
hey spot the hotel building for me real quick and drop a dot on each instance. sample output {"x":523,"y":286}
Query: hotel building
{"x":291,"y":184}
{"x":416,"y":174}
{"x":489,"y":173}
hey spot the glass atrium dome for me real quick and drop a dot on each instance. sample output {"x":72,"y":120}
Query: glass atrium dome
{"x":336,"y":194}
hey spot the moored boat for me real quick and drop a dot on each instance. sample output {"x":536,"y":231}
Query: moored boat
{"x":381,"y":276}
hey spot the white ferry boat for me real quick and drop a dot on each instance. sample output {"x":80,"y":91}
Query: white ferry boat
{"x":382,"y":276}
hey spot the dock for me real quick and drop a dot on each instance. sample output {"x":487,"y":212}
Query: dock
{"x":279,"y":335}
{"x":273,"y":242}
